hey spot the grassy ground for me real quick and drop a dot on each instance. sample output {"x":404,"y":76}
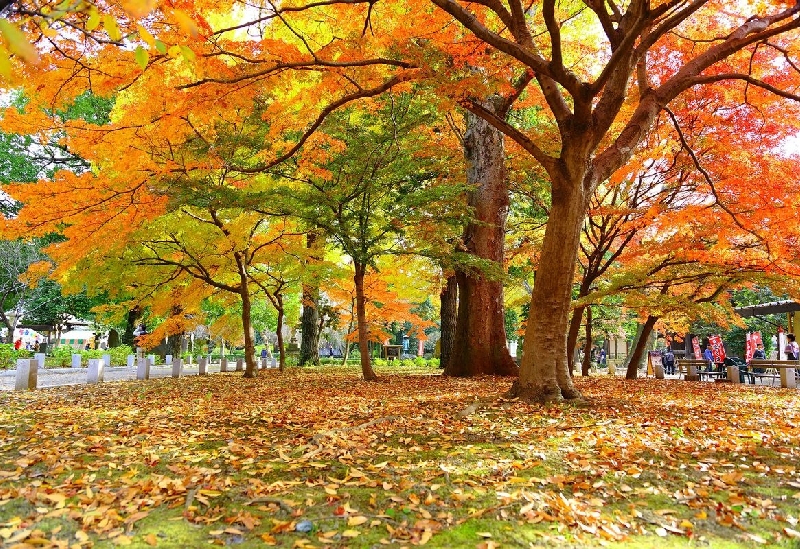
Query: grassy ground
{"x":318,"y":458}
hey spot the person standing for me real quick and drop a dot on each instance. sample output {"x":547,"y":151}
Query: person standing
{"x":792,"y":349}
{"x":708,"y":356}
{"x":669,"y":362}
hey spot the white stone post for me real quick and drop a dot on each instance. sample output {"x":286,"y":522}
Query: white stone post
{"x":239,"y":364}
{"x":27,"y":374}
{"x":131,"y":361}
{"x":788,"y":380}
{"x":107,"y":360}
{"x":264,"y":364}
{"x":76,"y":360}
{"x":274,"y":362}
{"x":658,"y":370}
{"x":152,"y":359}
{"x":176,"y":367}
{"x":733,"y":374}
{"x":94,"y":374}
{"x":202,"y":365}
{"x":168,"y":360}
{"x":223,"y":365}
{"x":143,"y":368}
{"x":40,"y":359}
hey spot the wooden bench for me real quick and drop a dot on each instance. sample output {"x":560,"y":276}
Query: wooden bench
{"x":787,"y":371}
{"x":693,"y":367}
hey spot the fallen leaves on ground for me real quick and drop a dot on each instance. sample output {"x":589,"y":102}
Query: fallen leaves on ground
{"x":318,"y":458}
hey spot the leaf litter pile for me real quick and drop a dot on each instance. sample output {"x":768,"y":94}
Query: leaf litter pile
{"x":319,"y":458}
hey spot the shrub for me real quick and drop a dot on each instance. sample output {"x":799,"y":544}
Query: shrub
{"x":9,"y":356}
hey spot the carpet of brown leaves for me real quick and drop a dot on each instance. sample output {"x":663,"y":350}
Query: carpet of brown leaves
{"x":320,"y":458}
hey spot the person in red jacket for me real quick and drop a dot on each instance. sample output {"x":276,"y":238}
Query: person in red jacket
{"x":18,"y":344}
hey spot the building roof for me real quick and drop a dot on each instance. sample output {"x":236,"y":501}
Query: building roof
{"x":764,"y":309}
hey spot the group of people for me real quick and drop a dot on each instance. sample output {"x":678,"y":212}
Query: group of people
{"x":792,"y":351}
{"x":28,"y":346}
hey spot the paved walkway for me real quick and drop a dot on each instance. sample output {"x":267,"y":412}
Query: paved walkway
{"x":56,"y":377}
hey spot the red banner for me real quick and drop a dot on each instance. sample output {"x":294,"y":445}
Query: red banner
{"x":696,"y":346}
{"x":751,"y":343}
{"x":717,"y":348}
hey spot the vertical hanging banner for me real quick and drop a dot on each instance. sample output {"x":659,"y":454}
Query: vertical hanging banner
{"x":696,"y":346}
{"x":717,"y":348}
{"x":749,"y":346}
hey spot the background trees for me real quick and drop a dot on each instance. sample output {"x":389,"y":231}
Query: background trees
{"x":595,"y":101}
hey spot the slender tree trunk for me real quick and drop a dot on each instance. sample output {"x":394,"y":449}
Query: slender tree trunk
{"x":350,"y":326}
{"x":480,"y":337}
{"x":636,"y":358}
{"x":130,"y":325}
{"x":572,"y":336}
{"x":361,"y":315}
{"x":278,"y":302}
{"x":9,"y":327}
{"x":309,"y":322}
{"x":250,"y":369}
{"x":587,"y":353}
{"x":448,"y":314}
{"x":544,"y":372}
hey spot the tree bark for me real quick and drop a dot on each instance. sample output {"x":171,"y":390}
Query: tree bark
{"x":361,"y":315}
{"x":448,"y":313}
{"x":130,"y":325}
{"x":310,"y":321}
{"x":9,"y":328}
{"x":250,"y":369}
{"x":278,"y":302}
{"x":587,"y":348}
{"x":572,"y":336}
{"x":544,"y":372}
{"x":637,"y":355}
{"x":480,"y":342}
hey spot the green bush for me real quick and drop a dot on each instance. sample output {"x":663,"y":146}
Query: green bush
{"x":9,"y":356}
{"x":62,"y":355}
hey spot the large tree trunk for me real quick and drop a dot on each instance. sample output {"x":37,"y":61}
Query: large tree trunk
{"x":587,"y":352}
{"x":448,"y":314}
{"x":544,"y":372}
{"x":480,"y":339}
{"x":361,"y":315}
{"x":636,"y":358}
{"x":309,"y":322}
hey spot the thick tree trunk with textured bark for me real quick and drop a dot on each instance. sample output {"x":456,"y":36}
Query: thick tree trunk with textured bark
{"x":479,"y":347}
{"x":448,"y":314}
{"x":636,"y":357}
{"x":545,"y":372}
{"x":361,"y":315}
